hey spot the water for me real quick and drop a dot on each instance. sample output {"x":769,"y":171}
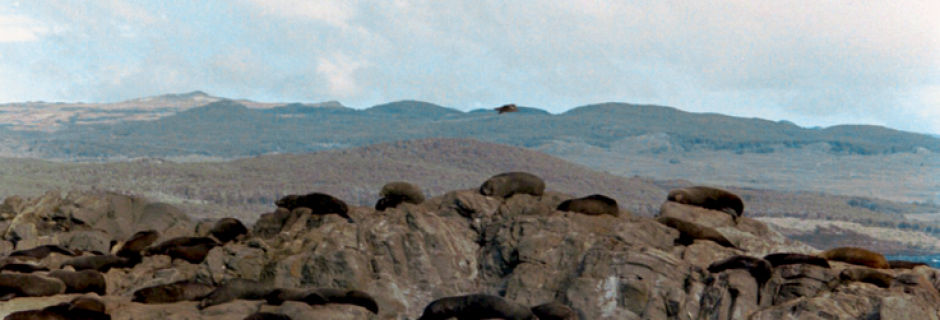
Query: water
{"x":932,"y":260}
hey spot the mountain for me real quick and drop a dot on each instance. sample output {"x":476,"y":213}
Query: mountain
{"x":417,"y":110}
{"x":230,"y":129}
{"x":624,"y":139}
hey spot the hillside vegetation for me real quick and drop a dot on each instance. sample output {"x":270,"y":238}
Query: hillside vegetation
{"x":245,"y":187}
{"x":230,"y":129}
{"x":623,"y":139}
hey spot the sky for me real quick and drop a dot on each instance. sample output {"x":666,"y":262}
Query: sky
{"x":815,"y":63}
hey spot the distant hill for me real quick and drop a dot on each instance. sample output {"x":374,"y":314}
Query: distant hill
{"x":247,"y":187}
{"x":624,"y":139}
{"x":229,"y":129}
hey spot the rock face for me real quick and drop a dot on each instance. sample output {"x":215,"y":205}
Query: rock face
{"x":519,"y":248}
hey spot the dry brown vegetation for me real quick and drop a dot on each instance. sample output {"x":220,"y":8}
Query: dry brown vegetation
{"x":247,"y":187}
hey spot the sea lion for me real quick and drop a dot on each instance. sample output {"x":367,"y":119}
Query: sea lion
{"x":228,"y":229}
{"x":185,"y":290}
{"x":191,"y":249}
{"x":136,"y":244}
{"x":43,"y":251}
{"x":236,"y":289}
{"x":81,"y":308}
{"x":507,"y":108}
{"x":101,"y":263}
{"x":318,"y":296}
{"x":506,"y":184}
{"x":902,"y":264}
{"x":88,"y":304}
{"x":476,"y":306}
{"x":856,"y":256}
{"x":22,"y":267}
{"x":81,"y":281}
{"x":867,"y":275}
{"x":397,"y":192}
{"x":36,"y":315}
{"x":689,"y":232}
{"x":593,"y":205}
{"x":554,"y":311}
{"x":266,"y":316}
{"x":29,"y":285}
{"x":709,"y":198}
{"x":318,"y":203}
{"x":760,"y":269}
{"x":785,"y":258}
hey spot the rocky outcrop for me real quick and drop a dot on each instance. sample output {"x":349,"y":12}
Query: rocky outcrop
{"x":519,"y":248}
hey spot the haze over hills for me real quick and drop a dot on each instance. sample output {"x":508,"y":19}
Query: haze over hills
{"x":624,"y":139}
{"x":245,"y":188}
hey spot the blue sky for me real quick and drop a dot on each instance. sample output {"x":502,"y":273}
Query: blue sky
{"x":874,"y":62}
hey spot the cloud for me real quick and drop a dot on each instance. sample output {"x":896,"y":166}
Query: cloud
{"x":808,"y":61}
{"x":333,"y":12}
{"x":17,"y":28}
{"x":340,"y":74}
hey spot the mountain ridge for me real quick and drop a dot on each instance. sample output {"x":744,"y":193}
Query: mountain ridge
{"x":599,"y":125}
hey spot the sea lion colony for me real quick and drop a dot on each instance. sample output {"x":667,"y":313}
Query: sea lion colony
{"x":21,"y":274}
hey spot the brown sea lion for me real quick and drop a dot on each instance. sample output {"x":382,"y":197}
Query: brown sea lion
{"x":22,"y":267}
{"x":476,"y":306}
{"x":504,"y":185}
{"x":759,"y":268}
{"x":83,"y":304}
{"x":318,"y":296}
{"x":266,"y":316}
{"x":785,"y":258}
{"x":88,"y":304}
{"x":689,"y":232}
{"x":81,"y":281}
{"x":593,"y":205}
{"x":228,"y":229}
{"x":856,"y":256}
{"x":81,"y":308}
{"x":507,"y":108}
{"x":185,"y":290}
{"x":397,"y":192}
{"x":709,"y":198}
{"x":29,"y":285}
{"x":236,"y":289}
{"x":318,"y":203}
{"x":191,"y":249}
{"x":136,"y":244}
{"x":554,"y":311}
{"x":36,"y":315}
{"x":867,"y":275}
{"x":43,"y":251}
{"x":902,"y":264}
{"x":101,"y":263}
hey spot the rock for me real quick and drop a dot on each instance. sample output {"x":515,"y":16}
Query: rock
{"x":699,"y":215}
{"x":519,"y":248}
{"x":233,"y":261}
{"x":793,"y":281}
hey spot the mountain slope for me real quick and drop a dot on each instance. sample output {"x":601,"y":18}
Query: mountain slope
{"x":624,"y":139}
{"x":245,"y":187}
{"x":229,"y":129}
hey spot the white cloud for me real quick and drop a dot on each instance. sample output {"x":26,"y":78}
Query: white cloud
{"x":928,"y":96}
{"x":339,"y":72}
{"x":333,"y":12}
{"x":16,"y":28}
